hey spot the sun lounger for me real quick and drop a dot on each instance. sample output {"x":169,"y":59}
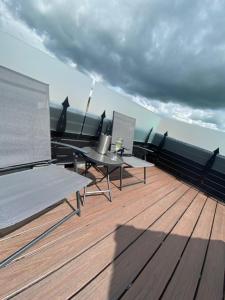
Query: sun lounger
{"x":29,"y":184}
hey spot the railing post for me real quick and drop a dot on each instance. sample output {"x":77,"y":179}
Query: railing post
{"x":100,"y":125}
{"x":160,"y":146}
{"x":209,"y":164}
{"x":61,"y":124}
{"x":148,"y":136}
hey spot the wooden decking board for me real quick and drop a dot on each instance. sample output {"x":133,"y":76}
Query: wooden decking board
{"x":137,"y":174}
{"x":31,"y":268}
{"x":56,"y":213}
{"x":155,"y":276}
{"x":109,"y":209}
{"x":212,"y":280}
{"x":113,"y":244}
{"x":116,"y":193}
{"x":69,"y":247}
{"x":102,"y":254}
{"x":7,"y":246}
{"x":96,"y":218}
{"x":154,"y":174}
{"x":60,"y":209}
{"x":111,"y":283}
{"x":185,"y":279}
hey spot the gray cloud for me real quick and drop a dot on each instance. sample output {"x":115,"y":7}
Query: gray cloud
{"x":210,"y":118}
{"x":164,"y":50}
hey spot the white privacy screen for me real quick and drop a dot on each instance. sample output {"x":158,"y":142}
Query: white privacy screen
{"x":24,"y":119}
{"x":123,"y":127}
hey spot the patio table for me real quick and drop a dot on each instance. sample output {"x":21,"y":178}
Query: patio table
{"x":110,"y":162}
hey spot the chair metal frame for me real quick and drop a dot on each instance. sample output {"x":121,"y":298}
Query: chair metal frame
{"x":40,"y":237}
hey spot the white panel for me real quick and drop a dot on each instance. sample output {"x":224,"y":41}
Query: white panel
{"x":193,"y":134}
{"x":24,"y":119}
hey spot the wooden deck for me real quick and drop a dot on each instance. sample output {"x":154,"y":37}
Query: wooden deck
{"x":161,"y":240}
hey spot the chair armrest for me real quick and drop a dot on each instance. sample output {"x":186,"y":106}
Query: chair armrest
{"x":74,"y":148}
{"x":46,"y":163}
{"x":144,"y":149}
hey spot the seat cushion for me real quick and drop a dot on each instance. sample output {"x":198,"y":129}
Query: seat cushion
{"x":27,"y":193}
{"x":135,"y":162}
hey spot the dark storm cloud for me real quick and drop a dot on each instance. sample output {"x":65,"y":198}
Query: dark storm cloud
{"x":157,"y":49}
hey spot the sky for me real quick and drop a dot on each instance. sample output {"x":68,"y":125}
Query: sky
{"x":168,"y":55}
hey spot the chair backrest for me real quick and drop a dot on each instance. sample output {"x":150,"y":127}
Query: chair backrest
{"x":123,"y":127}
{"x":24,"y":120}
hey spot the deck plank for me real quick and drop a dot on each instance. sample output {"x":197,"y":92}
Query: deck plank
{"x":152,"y":174}
{"x":111,"y":283}
{"x":97,"y":258}
{"x":153,"y":279}
{"x":212,"y":280}
{"x":8,"y":246}
{"x":185,"y":279}
{"x":105,"y":253}
{"x":25,"y":271}
{"x":104,"y":211}
{"x":97,"y":211}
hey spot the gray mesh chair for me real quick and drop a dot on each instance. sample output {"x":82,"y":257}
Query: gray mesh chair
{"x":123,"y":127}
{"x":29,"y":184}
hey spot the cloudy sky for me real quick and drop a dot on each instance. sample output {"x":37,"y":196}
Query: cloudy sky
{"x":169,"y":55}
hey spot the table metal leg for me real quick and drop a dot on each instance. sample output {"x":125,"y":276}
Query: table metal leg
{"x":121,"y":177}
{"x":84,"y":196}
{"x":75,"y":163}
{"x":108,"y":191}
{"x":79,"y":201}
{"x":144,"y":175}
{"x":108,"y":183}
{"x":85,"y":170}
